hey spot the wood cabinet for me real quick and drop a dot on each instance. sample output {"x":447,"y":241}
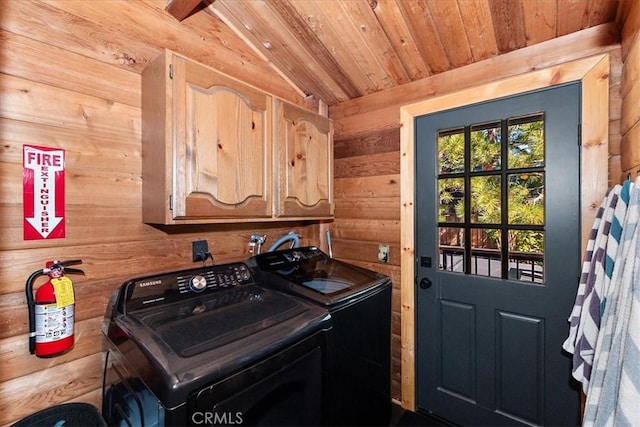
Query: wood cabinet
{"x":217,"y":150}
{"x":206,"y":145}
{"x":304,"y":168}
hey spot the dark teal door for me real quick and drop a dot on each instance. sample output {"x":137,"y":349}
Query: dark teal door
{"x":498,"y":259}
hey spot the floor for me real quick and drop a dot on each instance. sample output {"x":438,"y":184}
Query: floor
{"x":404,"y":418}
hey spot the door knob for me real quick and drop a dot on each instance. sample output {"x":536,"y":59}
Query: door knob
{"x":425,"y":283}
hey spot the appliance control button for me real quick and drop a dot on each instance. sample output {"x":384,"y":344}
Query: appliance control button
{"x":244,"y":273}
{"x":198,"y":283}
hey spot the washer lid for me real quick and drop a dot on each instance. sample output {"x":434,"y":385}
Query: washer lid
{"x":310,"y":272}
{"x":327,"y":286}
{"x":217,"y":319}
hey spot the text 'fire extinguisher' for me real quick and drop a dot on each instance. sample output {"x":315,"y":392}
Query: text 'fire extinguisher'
{"x":51,"y":311}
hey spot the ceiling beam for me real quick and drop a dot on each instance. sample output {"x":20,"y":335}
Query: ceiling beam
{"x":180,"y":9}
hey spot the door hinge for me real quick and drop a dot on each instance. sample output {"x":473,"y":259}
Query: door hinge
{"x":171,"y":71}
{"x":579,"y":135}
{"x":170,"y":202}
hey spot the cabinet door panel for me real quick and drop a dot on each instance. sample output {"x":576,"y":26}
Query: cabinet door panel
{"x":305,"y":162}
{"x":222,"y":146}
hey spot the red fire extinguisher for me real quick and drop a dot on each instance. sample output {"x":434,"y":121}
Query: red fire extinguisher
{"x":51,"y":312}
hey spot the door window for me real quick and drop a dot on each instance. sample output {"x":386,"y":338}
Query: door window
{"x":491,"y":210}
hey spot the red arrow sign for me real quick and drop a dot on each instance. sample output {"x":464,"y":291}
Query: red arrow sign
{"x":43,"y":192}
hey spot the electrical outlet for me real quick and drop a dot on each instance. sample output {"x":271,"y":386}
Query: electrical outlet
{"x":200,"y":250}
{"x":383,"y":253}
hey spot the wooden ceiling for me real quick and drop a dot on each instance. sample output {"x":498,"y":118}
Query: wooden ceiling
{"x":337,"y":50}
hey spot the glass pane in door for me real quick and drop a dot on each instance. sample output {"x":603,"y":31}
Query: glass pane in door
{"x":451,"y":200}
{"x":526,"y":256}
{"x":451,"y":249}
{"x":451,"y":151}
{"x":486,"y":151}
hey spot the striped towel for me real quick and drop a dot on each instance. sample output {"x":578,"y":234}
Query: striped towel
{"x":628,"y":412}
{"x":613,"y":395}
{"x":583,"y":287}
{"x":615,"y":234}
{"x":597,"y":269}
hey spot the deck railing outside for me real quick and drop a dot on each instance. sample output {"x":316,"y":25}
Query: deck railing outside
{"x":523,"y":266}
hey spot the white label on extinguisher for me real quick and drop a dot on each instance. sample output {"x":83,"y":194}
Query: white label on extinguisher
{"x":53,"y":323}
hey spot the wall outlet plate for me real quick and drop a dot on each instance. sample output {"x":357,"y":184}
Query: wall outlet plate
{"x":383,"y":253}
{"x":200,"y":249}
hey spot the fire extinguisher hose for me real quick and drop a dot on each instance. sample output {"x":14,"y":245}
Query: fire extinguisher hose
{"x":31,"y":305}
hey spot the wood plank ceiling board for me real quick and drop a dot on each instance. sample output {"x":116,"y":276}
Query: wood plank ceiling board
{"x":508,"y":24}
{"x":395,"y":27}
{"x":373,"y":36}
{"x":322,"y":55}
{"x":328,"y":21}
{"x":335,"y":50}
{"x":573,"y":15}
{"x":478,"y":25}
{"x":539,"y":20}
{"x":451,"y":31}
{"x":423,"y":30}
{"x":287,"y":49}
{"x":624,"y":7}
{"x":315,"y":18}
{"x":349,"y":116}
{"x":602,"y":11}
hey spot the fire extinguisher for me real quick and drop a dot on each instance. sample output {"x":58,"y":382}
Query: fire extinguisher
{"x":51,"y":312}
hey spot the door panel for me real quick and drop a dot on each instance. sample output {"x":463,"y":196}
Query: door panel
{"x":457,"y":327}
{"x":499,"y":214}
{"x":520,"y":338}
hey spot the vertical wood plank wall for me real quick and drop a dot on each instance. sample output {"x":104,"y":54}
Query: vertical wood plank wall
{"x":367,"y":156}
{"x":630,"y":93}
{"x":70,"y":79}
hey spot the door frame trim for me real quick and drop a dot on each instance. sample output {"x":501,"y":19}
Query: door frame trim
{"x":593,"y":74}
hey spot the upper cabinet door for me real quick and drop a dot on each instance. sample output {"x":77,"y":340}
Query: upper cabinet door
{"x":222,"y":143}
{"x":304,"y":145}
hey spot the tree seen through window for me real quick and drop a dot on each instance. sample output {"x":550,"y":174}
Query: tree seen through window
{"x":491,"y":196}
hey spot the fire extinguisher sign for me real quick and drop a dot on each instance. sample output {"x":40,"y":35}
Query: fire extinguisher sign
{"x":43,"y":192}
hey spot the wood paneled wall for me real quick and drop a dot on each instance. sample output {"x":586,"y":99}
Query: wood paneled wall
{"x":70,"y":79}
{"x":630,"y":93}
{"x":367,"y":156}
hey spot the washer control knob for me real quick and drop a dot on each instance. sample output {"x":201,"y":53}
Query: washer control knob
{"x":244,"y":273}
{"x":198,"y":283}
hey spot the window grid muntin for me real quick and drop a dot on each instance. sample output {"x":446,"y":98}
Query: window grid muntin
{"x":504,"y":171}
